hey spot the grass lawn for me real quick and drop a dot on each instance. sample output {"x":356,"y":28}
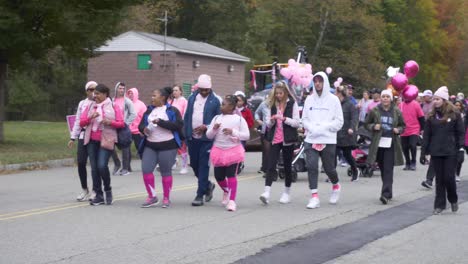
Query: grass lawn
{"x":35,"y":141}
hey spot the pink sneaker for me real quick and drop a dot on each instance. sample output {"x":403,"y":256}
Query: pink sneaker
{"x":166,"y":203}
{"x":231,"y":206}
{"x":225,"y":198}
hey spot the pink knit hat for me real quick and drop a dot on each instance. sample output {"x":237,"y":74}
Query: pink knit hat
{"x":442,"y":92}
{"x":204,"y":81}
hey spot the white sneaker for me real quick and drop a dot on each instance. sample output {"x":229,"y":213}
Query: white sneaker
{"x":265,"y":198}
{"x":92,"y":195}
{"x":284,"y":198}
{"x":83,"y":196}
{"x":183,"y":171}
{"x":225,"y":200}
{"x":457,"y":178}
{"x":314,"y":202}
{"x":335,"y":196}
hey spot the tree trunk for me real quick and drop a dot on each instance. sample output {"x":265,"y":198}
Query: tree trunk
{"x":323,"y":27}
{"x":3,"y":76}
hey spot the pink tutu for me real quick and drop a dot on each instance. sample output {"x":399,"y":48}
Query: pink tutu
{"x":226,"y":157}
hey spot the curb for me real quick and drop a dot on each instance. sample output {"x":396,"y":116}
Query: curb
{"x":38,"y":165}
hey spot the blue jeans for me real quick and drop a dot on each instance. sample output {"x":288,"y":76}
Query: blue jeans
{"x":99,"y":159}
{"x":199,"y":152}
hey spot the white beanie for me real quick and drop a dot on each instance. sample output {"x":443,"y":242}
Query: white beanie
{"x":387,"y":92}
{"x":442,"y":92}
{"x":89,"y":84}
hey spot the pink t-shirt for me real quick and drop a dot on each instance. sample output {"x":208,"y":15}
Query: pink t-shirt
{"x":411,"y":112}
{"x":181,"y":104}
{"x":371,"y":105}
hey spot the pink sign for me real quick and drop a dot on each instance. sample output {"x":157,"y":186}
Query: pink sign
{"x":71,"y":122}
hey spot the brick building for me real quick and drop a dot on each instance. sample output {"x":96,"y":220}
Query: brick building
{"x":138,"y":60}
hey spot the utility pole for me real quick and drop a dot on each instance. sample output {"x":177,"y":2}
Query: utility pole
{"x":165,"y":34}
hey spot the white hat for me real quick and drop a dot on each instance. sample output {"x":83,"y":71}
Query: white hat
{"x":239,"y":93}
{"x":204,"y":81}
{"x":420,"y":94}
{"x":89,"y":84}
{"x":442,"y":92}
{"x":427,"y":93}
{"x":387,"y":92}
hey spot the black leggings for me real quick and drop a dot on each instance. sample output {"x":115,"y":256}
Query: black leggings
{"x":266,"y":146}
{"x":409,"y":145}
{"x":221,"y":173}
{"x":82,"y":158}
{"x":273,"y":161}
{"x":347,"y":155}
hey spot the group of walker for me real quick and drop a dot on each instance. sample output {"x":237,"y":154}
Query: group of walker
{"x":214,"y":131}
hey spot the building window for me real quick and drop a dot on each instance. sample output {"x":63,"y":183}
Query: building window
{"x":144,"y":61}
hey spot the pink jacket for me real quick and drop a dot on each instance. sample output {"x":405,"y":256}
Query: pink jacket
{"x":111,"y":111}
{"x":140,"y":109}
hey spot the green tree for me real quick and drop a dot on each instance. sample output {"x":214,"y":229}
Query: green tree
{"x":35,"y":27}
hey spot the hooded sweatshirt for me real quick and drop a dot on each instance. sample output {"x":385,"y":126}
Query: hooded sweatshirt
{"x":140,"y":109}
{"x":125,"y":105}
{"x":322,"y":116}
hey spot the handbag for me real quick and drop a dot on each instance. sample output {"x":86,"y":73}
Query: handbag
{"x":124,"y":137}
{"x":107,"y":140}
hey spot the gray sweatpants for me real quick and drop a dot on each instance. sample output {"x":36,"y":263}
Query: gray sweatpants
{"x":328,"y":161}
{"x":165,"y":159}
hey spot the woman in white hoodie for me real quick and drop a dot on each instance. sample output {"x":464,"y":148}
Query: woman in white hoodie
{"x":322,"y":118}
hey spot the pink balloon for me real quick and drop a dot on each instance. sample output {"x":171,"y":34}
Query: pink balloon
{"x":328,"y":70}
{"x":340,"y":79}
{"x":410,"y":93}
{"x":291,"y":62}
{"x":286,"y":72}
{"x":336,"y":84}
{"x":399,"y":81}
{"x":411,"y":69}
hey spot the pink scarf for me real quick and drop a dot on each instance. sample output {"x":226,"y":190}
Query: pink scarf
{"x":96,"y":123}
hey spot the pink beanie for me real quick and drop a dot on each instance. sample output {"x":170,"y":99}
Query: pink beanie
{"x":442,"y":92}
{"x":204,"y":81}
{"x":89,"y":84}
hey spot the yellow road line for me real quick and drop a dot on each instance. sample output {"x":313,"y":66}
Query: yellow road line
{"x":55,"y":208}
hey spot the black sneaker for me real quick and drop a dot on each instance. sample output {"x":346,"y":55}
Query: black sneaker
{"x":407,"y":167}
{"x":198,"y":201}
{"x":355,"y":175}
{"x":454,"y":207}
{"x":383,"y":199}
{"x":109,"y":199}
{"x":412,"y":167}
{"x":427,"y":184}
{"x":98,"y":200}
{"x":437,"y":211}
{"x":209,"y":192}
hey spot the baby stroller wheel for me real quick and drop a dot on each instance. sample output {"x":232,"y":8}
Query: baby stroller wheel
{"x":293,"y":176}
{"x":349,"y":172}
{"x":281,"y":173}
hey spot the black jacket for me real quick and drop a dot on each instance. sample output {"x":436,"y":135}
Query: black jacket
{"x":350,"y":118}
{"x":443,"y":138}
{"x":289,"y":132}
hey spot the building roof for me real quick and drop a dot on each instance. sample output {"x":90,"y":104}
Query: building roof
{"x":142,"y":41}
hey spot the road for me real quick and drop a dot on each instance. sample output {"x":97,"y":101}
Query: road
{"x":41,"y":223}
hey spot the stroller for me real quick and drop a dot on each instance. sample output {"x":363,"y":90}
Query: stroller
{"x":361,"y":152}
{"x":298,"y":162}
